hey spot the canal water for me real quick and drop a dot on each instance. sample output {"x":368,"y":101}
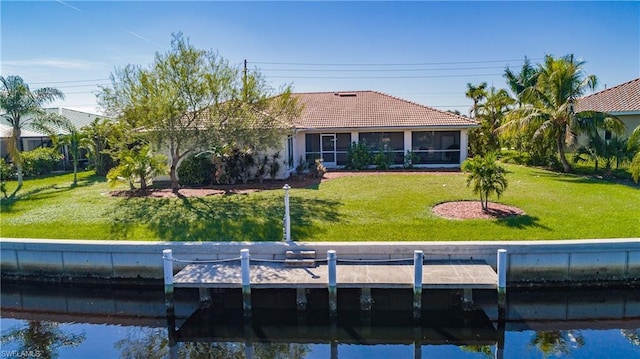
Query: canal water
{"x":62,"y":321}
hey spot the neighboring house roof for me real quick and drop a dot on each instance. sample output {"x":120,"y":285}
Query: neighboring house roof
{"x":5,"y":132}
{"x":622,"y":98}
{"x":78,"y":118}
{"x":370,"y":109}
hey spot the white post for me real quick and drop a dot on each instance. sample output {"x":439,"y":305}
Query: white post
{"x":418,"y":257}
{"x":245,"y":258}
{"x":167,"y":259}
{"x":333,"y":298}
{"x":287,"y":215}
{"x":502,"y":278}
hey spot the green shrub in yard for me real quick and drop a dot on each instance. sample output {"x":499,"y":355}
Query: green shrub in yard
{"x":40,"y":161}
{"x":6,"y":172}
{"x":410,"y":159}
{"x":195,"y":170}
{"x":358,"y":156}
{"x":383,"y":159}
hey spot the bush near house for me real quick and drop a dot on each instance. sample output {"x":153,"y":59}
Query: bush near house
{"x":40,"y":161}
{"x":195,"y":170}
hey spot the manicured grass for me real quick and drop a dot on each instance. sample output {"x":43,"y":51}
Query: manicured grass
{"x":390,"y":207}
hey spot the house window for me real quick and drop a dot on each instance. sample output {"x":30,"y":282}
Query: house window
{"x":388,"y":141}
{"x":290,"y":158}
{"x":436,"y":147}
{"x":312,"y":147}
{"x":332,"y":148}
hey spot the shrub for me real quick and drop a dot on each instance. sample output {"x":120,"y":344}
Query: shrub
{"x":7,"y":171}
{"x":410,"y":159}
{"x":40,"y":161}
{"x":195,"y":170}
{"x":383,"y":159}
{"x":318,"y":170}
{"x":358,"y":157}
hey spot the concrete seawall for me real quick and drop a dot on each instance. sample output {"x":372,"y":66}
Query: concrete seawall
{"x":566,"y":262}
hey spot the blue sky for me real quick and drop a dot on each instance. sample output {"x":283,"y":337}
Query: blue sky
{"x":423,"y":51}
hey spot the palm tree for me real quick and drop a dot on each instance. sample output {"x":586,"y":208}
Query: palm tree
{"x":487,"y":177}
{"x":21,"y":106}
{"x":477,"y":94}
{"x":527,"y":77}
{"x":549,"y":105}
{"x":64,"y":133}
{"x":491,"y":114}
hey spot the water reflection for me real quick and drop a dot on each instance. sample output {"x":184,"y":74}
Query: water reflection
{"x":40,"y":339}
{"x":557,"y":343}
{"x":61,"y":321}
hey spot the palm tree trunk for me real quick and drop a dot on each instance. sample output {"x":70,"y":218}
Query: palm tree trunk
{"x":563,"y":157}
{"x":75,"y":172}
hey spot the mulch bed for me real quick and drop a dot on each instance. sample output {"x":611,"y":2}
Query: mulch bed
{"x":473,"y":210}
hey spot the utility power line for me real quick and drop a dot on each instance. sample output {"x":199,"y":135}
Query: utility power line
{"x":388,"y":64}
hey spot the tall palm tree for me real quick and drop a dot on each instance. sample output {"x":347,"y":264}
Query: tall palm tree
{"x":476,"y":94}
{"x":527,"y":77}
{"x":549,"y":105}
{"x":21,"y":106}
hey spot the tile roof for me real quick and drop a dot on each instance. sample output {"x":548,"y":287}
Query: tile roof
{"x":622,"y":98}
{"x":370,"y":109}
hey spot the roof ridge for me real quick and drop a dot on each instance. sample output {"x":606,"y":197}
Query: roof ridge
{"x":611,"y":88}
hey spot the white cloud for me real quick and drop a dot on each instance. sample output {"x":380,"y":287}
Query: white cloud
{"x":58,"y":63}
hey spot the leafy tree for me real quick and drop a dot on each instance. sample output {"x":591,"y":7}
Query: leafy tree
{"x":549,"y":105}
{"x":486,"y":176}
{"x":189,"y":99}
{"x":22,"y":107}
{"x":476,"y":94}
{"x":139,"y":164}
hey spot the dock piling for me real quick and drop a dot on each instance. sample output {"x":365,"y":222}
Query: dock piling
{"x":167,"y":260}
{"x":333,"y":296}
{"x":502,"y":279}
{"x":301,"y":298}
{"x":287,"y":215}
{"x":245,"y":259}
{"x":418,"y":257}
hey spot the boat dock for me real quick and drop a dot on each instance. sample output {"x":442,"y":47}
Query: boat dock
{"x":435,"y":275}
{"x":303,"y":271}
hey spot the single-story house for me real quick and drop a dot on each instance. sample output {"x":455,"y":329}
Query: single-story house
{"x":32,"y":138}
{"x":622,"y":101}
{"x":331,"y":121}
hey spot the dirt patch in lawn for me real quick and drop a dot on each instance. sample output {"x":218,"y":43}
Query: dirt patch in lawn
{"x":473,"y":210}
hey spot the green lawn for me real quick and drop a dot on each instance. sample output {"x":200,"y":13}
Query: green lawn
{"x":392,"y":207}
